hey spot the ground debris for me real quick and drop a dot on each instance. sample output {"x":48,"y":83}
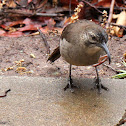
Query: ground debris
{"x":5,"y":94}
{"x":19,"y":68}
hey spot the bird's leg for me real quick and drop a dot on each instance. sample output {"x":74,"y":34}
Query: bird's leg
{"x":98,"y":84}
{"x":70,"y":81}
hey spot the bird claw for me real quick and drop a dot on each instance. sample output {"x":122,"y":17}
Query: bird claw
{"x":99,"y":86}
{"x":70,"y":85}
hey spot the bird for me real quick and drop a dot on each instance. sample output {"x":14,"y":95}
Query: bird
{"x":81,"y":44}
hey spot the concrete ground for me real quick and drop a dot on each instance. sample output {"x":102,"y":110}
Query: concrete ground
{"x":40,"y":101}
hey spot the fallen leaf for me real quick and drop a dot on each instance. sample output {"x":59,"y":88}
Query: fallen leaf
{"x":121,"y":20}
{"x":2,"y":32}
{"x":13,"y":34}
{"x":21,"y":69}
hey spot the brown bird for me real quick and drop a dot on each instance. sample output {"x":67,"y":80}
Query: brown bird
{"x":81,"y":44}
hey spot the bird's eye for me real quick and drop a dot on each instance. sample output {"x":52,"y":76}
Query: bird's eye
{"x":94,"y":38}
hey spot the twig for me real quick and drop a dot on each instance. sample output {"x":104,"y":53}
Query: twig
{"x":121,"y":26}
{"x":35,"y":8}
{"x":40,"y":7}
{"x":92,"y":6}
{"x":5,"y":93}
{"x":30,"y":14}
{"x":49,"y":15}
{"x":114,"y":24}
{"x":70,"y":8}
{"x":110,"y":67}
{"x":123,"y":120}
{"x":45,"y":41}
{"x":110,"y":13}
{"x":115,"y":8}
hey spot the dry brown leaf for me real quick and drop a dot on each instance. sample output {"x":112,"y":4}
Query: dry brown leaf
{"x":121,"y":20}
{"x":10,"y":68}
{"x":21,"y":69}
{"x":11,"y":3}
{"x":19,"y":63}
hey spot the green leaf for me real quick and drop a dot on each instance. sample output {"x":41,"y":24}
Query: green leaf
{"x":121,"y":71}
{"x":118,"y":76}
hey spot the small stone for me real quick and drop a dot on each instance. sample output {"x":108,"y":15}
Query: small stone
{"x":89,"y":67}
{"x":118,"y":64}
{"x":31,"y":71}
{"x":32,"y":55}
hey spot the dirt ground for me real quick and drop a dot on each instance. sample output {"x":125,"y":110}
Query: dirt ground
{"x":15,"y":49}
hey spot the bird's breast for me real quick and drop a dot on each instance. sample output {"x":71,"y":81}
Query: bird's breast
{"x":78,"y":55}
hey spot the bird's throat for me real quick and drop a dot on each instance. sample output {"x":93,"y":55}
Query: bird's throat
{"x":93,"y":50}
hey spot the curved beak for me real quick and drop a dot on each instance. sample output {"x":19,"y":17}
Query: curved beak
{"x":104,"y":46}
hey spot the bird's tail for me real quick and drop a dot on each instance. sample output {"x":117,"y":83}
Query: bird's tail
{"x":55,"y":55}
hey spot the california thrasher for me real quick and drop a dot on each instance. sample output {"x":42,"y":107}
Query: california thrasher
{"x":81,"y":44}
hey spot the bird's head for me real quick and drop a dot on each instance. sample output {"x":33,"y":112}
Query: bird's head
{"x":97,"y":37}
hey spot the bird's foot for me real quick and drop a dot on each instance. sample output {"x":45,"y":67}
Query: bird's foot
{"x":99,"y":86}
{"x":70,"y":85}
